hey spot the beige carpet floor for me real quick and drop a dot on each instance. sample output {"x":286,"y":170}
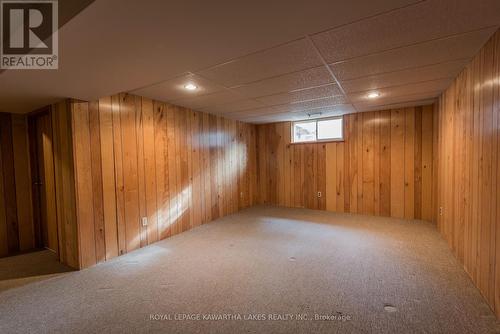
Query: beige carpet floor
{"x":265,"y":270}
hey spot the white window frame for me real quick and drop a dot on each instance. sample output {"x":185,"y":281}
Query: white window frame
{"x":316,"y":123}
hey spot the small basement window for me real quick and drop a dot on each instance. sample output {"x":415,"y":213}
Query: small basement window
{"x":329,"y":129}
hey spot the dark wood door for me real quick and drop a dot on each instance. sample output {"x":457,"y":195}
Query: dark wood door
{"x":44,"y":196}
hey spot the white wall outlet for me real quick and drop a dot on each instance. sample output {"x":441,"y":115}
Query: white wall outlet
{"x":144,"y":221}
{"x":319,"y":193}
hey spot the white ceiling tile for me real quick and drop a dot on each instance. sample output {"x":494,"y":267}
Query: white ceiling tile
{"x":233,"y":107}
{"x":415,"y":102}
{"x":307,"y":94}
{"x":433,"y":52}
{"x":289,"y":108}
{"x":173,"y":89}
{"x":298,"y":116}
{"x":403,"y":90}
{"x":291,"y":57}
{"x":209,"y":100}
{"x":409,"y":98}
{"x":414,"y":24}
{"x":118,"y":46}
{"x":324,"y":102}
{"x":337,"y":110}
{"x":336,"y":102}
{"x":286,"y":83}
{"x":260,"y":111}
{"x":397,"y":78}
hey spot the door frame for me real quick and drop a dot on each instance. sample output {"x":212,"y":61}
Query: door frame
{"x":35,"y":161}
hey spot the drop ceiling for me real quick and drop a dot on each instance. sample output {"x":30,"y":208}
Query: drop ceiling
{"x":261,"y":61}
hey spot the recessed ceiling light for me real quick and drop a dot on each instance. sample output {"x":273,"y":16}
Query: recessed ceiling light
{"x":190,"y":86}
{"x":373,"y":95}
{"x":390,"y":308}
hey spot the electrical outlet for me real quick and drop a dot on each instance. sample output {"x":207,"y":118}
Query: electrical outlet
{"x":319,"y":193}
{"x":144,"y":221}
{"x":440,"y":210}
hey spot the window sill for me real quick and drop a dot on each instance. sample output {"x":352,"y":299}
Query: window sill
{"x":318,"y":142}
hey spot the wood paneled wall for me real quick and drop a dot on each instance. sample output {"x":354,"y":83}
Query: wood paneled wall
{"x":136,"y":158}
{"x":469,"y":169}
{"x":383,"y":167}
{"x":64,"y":184}
{"x":16,"y":217}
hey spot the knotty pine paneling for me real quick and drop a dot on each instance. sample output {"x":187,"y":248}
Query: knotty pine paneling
{"x":468,"y":169}
{"x":134,"y":158}
{"x":383,"y":166}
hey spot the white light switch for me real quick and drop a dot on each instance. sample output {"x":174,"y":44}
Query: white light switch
{"x":144,"y":221}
